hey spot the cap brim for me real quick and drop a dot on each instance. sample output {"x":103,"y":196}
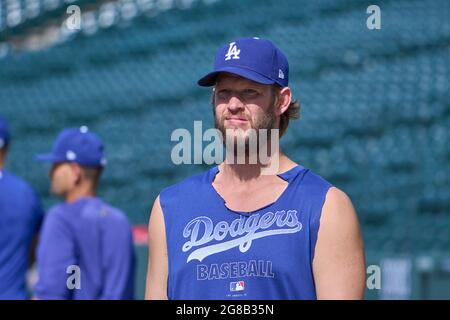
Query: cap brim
{"x":210,"y":79}
{"x":48,"y":158}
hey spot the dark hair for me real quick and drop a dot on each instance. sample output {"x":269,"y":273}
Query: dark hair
{"x":92,"y":173}
{"x":4,"y":148}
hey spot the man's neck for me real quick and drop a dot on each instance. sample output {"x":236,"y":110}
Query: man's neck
{"x":238,"y":173}
{"x":81,"y":192}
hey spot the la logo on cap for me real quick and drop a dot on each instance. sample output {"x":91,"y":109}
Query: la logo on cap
{"x":233,"y":52}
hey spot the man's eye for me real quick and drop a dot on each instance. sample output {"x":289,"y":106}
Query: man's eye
{"x":250,"y":93}
{"x":222,"y":94}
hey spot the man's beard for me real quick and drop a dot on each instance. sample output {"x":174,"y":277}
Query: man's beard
{"x":266,"y":121}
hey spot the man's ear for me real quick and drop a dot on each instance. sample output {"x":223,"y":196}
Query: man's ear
{"x":76,"y":171}
{"x":284,"y":100}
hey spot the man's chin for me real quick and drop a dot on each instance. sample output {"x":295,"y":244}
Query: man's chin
{"x":238,"y":134}
{"x":235,"y":127}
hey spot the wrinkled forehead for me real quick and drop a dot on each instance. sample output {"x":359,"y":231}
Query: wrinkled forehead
{"x":233,"y":81}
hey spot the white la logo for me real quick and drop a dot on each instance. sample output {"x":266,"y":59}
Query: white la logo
{"x":233,"y":52}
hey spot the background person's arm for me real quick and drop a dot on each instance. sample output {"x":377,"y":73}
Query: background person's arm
{"x":157,"y":272}
{"x":339,"y":263}
{"x":55,"y":254}
{"x":119,"y":260}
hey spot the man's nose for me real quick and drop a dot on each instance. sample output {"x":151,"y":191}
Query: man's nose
{"x":235,"y":104}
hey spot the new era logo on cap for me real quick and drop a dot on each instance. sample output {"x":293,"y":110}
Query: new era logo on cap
{"x":255,"y":59}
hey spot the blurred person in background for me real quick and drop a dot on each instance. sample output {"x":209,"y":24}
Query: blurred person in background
{"x":21,"y":215}
{"x":86,"y":248}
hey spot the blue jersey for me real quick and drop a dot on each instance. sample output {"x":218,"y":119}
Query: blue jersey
{"x":90,"y":240}
{"x":20,"y":219}
{"x":218,"y":253}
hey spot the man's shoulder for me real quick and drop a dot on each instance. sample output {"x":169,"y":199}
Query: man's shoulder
{"x":56,"y":211}
{"x":334,"y":195}
{"x":312,"y":181}
{"x":16,"y":183}
{"x":338,"y":200}
{"x":108,"y":209}
{"x":56,"y":217}
{"x":188,"y":186}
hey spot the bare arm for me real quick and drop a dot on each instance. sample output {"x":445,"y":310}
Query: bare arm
{"x":157,"y":272}
{"x":339,"y":263}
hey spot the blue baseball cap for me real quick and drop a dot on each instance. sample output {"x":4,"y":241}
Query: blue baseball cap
{"x":255,"y":59}
{"x":77,"y":145}
{"x":4,"y":132}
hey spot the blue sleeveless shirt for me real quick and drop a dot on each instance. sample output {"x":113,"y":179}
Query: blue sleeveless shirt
{"x":217,"y":253}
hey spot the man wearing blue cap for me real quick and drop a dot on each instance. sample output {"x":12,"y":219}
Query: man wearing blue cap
{"x":20,"y":219}
{"x":236,"y":233}
{"x":85,"y":249}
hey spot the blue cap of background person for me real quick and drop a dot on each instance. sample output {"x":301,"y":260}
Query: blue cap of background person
{"x":4,"y":132}
{"x":77,"y":145}
{"x":255,"y":59}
